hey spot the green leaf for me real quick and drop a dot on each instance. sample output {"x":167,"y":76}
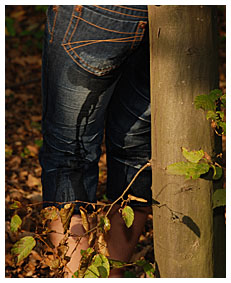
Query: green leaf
{"x":217,"y":172}
{"x":147,"y":267}
{"x":205,"y":102}
{"x":223,"y":100}
{"x":85,"y":261}
{"x":211,"y":115}
{"x":215,"y":94}
{"x":219,"y":198}
{"x":220,"y":115}
{"x":15,"y":223}
{"x":23,"y":247}
{"x":188,"y":169}
{"x":99,"y":267}
{"x":39,"y":143}
{"x":15,"y":205}
{"x":193,"y":156}
{"x":222,"y":125}
{"x":208,"y":101}
{"x":128,"y":215}
{"x":105,"y":223}
{"x":76,"y":274}
{"x":10,"y":26}
{"x":117,"y":263}
{"x":41,"y":8}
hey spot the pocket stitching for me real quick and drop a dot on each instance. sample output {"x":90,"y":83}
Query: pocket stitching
{"x":51,"y":32}
{"x":105,"y":70}
{"x":116,"y":12}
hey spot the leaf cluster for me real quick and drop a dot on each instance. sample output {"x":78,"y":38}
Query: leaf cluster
{"x":215,"y":104}
{"x":95,"y":262}
{"x":197,"y":164}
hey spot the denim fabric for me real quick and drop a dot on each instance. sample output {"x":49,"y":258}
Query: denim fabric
{"x":95,"y":76}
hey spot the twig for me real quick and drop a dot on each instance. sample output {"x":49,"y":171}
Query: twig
{"x":128,"y":187}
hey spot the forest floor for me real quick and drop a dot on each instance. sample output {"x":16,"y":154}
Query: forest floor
{"x":23,"y":139}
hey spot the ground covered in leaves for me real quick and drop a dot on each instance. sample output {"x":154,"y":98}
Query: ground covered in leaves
{"x":24,"y":32}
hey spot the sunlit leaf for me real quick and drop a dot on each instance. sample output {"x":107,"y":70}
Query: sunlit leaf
{"x":105,"y":223}
{"x":193,"y":156}
{"x":128,"y":216}
{"x":15,"y":223}
{"x":220,"y":114}
{"x":66,"y":214}
{"x":91,"y":238}
{"x":99,"y":267}
{"x":50,"y":213}
{"x":188,"y":169}
{"x":102,"y":245}
{"x":85,"y":221}
{"x":219,"y":198}
{"x":211,"y":115}
{"x":15,"y":205}
{"x":117,"y":263}
{"x":131,"y":197}
{"x":85,"y":261}
{"x":23,"y":247}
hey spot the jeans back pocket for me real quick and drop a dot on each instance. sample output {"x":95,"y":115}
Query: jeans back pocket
{"x":99,"y":43}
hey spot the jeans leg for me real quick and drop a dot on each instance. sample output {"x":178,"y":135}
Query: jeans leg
{"x":83,"y":56}
{"x":73,"y":125}
{"x":128,"y":135}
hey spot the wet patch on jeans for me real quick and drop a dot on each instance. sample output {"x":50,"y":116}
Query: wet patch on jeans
{"x":99,"y":64}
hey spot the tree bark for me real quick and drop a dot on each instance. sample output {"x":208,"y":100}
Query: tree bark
{"x":183,"y":65}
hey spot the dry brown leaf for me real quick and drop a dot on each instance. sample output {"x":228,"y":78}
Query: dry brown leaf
{"x":23,"y":174}
{"x":19,"y":15}
{"x":33,"y":181}
{"x":16,"y":160}
{"x":36,"y":118}
{"x":102,"y":245}
{"x":91,"y":238}
{"x":66,"y":214}
{"x":131,"y":197}
{"x":27,"y":60}
{"x":33,"y":149}
{"x":35,"y":255}
{"x":85,"y":221}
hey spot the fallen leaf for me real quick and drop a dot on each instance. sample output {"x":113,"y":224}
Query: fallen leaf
{"x":16,"y":160}
{"x":33,"y":149}
{"x":36,"y":118}
{"x":33,"y":181}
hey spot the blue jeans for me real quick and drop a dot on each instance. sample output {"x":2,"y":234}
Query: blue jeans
{"x":95,"y":77}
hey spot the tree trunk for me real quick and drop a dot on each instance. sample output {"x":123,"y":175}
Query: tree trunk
{"x":183,"y":65}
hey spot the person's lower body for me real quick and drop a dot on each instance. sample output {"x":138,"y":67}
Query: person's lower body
{"x":96,"y":76}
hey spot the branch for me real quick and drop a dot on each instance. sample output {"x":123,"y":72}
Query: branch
{"x":128,"y":187}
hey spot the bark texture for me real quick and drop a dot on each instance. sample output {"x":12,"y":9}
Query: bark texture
{"x":183,"y":65}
